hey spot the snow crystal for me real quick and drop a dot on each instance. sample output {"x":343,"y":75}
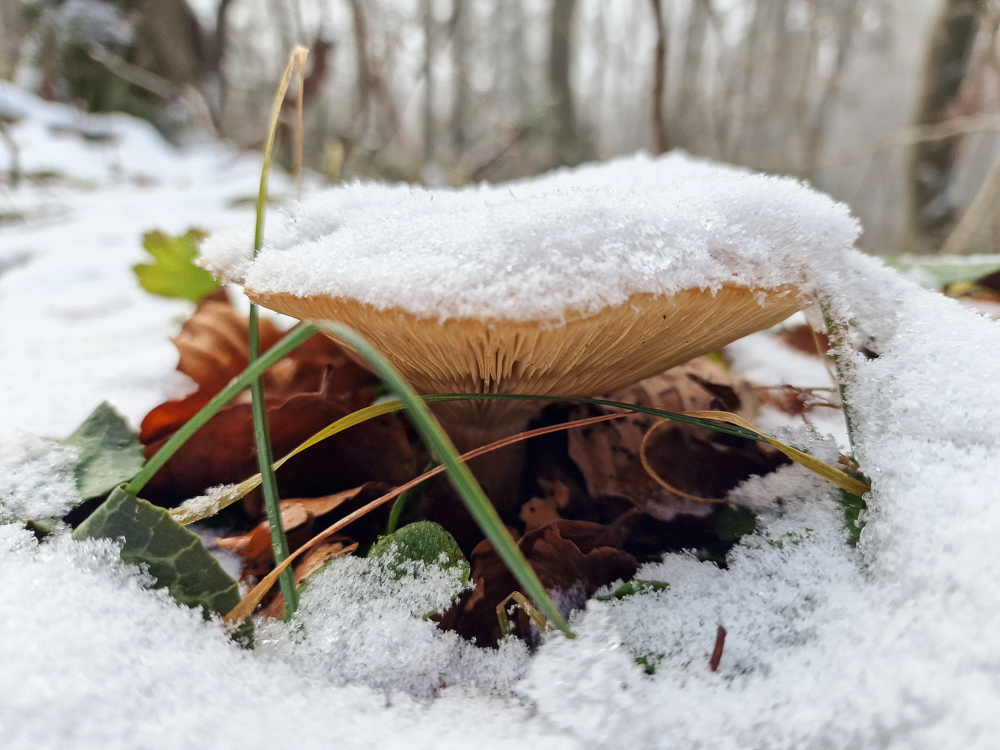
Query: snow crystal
{"x":575,"y":240}
{"x":38,"y":481}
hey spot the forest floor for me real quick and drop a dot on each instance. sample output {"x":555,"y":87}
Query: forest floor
{"x":888,"y":643}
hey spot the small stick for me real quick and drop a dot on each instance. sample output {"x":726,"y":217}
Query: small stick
{"x":720,"y":642}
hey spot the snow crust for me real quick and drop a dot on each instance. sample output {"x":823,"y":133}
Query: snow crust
{"x":573,"y":241}
{"x":892,"y":645}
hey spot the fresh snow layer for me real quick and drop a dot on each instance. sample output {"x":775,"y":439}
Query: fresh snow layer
{"x":891,"y":645}
{"x":572,"y":241}
{"x":78,"y":328}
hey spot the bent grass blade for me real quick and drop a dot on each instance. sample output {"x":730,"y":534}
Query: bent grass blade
{"x":251,"y":600}
{"x":261,"y":428}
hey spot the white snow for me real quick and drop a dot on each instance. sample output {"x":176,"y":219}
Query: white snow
{"x":892,"y":645}
{"x":572,"y":241}
{"x":78,"y":328}
{"x":361,"y":623}
{"x":37,"y":480}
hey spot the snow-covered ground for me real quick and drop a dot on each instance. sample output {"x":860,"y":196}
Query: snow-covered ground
{"x":889,"y":645}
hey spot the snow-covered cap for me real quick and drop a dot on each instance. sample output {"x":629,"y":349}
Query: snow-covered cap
{"x":578,"y":282}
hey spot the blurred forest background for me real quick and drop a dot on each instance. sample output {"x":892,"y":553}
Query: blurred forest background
{"x":890,"y":105}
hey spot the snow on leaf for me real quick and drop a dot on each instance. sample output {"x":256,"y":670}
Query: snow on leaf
{"x":173,"y":272}
{"x":426,"y":542}
{"x":174,"y":556}
{"x":110,"y":453}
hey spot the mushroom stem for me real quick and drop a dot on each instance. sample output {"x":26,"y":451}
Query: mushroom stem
{"x":498,"y":472}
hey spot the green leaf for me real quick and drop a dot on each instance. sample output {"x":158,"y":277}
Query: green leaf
{"x":110,"y":453}
{"x":944,"y":270}
{"x":426,"y":542}
{"x":174,"y":556}
{"x":173,"y":272}
{"x":635,"y":586}
{"x":734,"y":523}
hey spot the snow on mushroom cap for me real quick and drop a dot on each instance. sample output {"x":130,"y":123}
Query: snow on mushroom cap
{"x":575,"y":240}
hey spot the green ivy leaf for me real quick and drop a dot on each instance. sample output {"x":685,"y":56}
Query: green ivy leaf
{"x":173,"y":272}
{"x":635,"y":586}
{"x":424,"y":541}
{"x":172,"y":554}
{"x":110,"y":453}
{"x":734,"y":523}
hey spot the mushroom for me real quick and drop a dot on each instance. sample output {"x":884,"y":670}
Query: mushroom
{"x":574,"y":284}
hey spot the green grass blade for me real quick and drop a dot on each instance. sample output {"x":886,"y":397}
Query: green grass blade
{"x":461,"y":478}
{"x":269,"y":483}
{"x":262,"y":433}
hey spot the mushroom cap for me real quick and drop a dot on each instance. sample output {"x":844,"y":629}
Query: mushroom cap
{"x":579,"y":356}
{"x":574,"y":283}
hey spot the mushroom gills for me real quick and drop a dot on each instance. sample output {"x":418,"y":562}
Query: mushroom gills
{"x":577,"y":357}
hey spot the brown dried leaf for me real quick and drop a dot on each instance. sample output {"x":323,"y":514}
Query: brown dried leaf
{"x":320,"y":555}
{"x":303,"y":518}
{"x":573,"y":558}
{"x":539,"y":511}
{"x":607,"y":454}
{"x":795,"y":401}
{"x":214,"y":348}
{"x":309,"y":389}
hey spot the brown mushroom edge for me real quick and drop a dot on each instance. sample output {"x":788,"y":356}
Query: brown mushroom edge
{"x":580,"y":356}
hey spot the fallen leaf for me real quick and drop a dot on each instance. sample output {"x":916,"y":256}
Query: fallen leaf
{"x":309,"y":389}
{"x":109,"y":452}
{"x":540,"y":511}
{"x":795,"y":401}
{"x":573,"y":559}
{"x":173,"y":272}
{"x":695,"y":460}
{"x":302,"y":519}
{"x":805,"y":339}
{"x":319,"y":556}
{"x":214,"y":348}
{"x":172,"y":554}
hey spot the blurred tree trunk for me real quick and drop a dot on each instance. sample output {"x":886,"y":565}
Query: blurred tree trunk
{"x":171,"y":44}
{"x":569,"y":145}
{"x":12,"y":31}
{"x":931,"y":209}
{"x":428,"y":70}
{"x":847,"y":26}
{"x":459,"y":24}
{"x":689,"y":121}
{"x":661,"y":139}
{"x":169,"y":40}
